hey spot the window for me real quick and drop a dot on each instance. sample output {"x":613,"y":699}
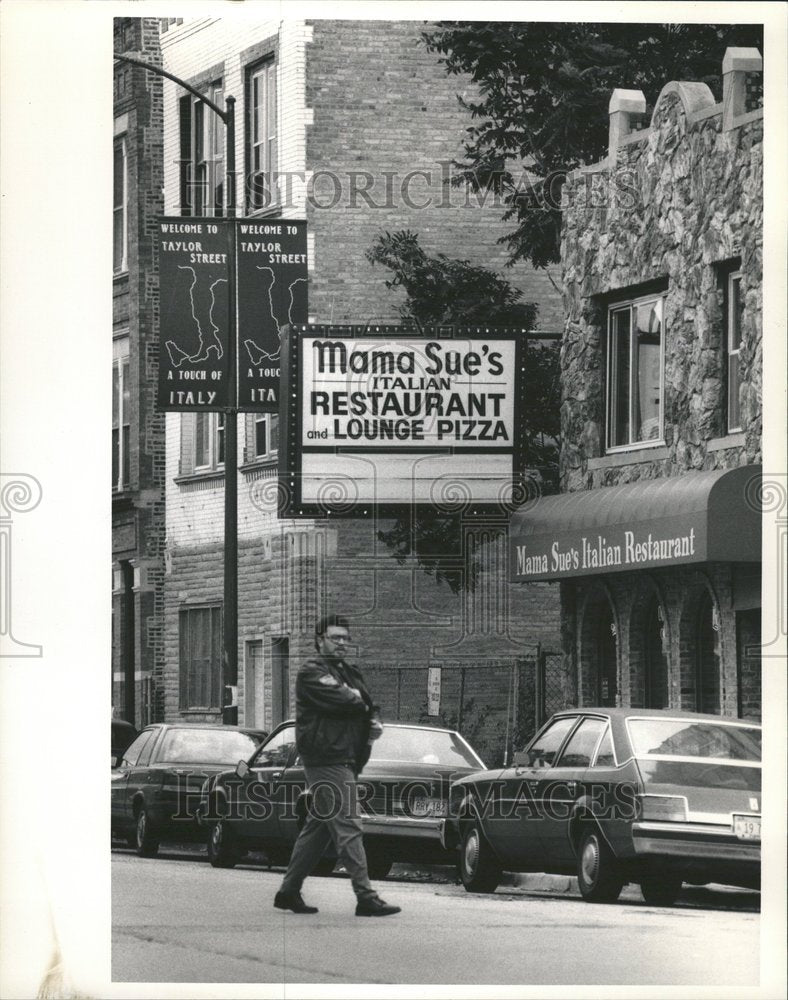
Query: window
{"x":119,"y":208}
{"x":605,"y":756}
{"x":277,"y":750}
{"x":635,"y":372}
{"x":121,"y":397}
{"x":581,"y":745}
{"x":544,"y":748}
{"x":209,"y":441}
{"x":133,"y":752}
{"x":265,"y":439}
{"x":261,"y":136}
{"x":202,"y":154}
{"x":734,"y":345}
{"x":200,"y":634}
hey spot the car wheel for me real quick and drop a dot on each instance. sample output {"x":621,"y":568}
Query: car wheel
{"x":660,"y":889}
{"x":479,"y":869}
{"x":223,"y":849}
{"x":378,"y":865}
{"x":146,"y":843}
{"x":598,"y":873}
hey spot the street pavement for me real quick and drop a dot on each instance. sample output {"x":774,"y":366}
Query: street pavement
{"x":176,"y":919}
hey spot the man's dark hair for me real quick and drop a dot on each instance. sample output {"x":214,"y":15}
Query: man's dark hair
{"x":338,"y":621}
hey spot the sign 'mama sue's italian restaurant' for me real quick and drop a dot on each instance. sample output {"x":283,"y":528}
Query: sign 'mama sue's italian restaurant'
{"x":702,"y":517}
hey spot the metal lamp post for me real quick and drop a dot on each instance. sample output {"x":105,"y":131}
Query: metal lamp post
{"x":230,"y":604}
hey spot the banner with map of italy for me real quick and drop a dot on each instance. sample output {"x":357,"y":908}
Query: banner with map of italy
{"x":272,"y":294}
{"x":194,"y":258}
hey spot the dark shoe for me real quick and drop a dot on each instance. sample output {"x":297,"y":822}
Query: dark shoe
{"x":292,"y":901}
{"x":375,"y":907}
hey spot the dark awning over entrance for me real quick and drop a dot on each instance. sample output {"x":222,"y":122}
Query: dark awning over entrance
{"x":700,"y":517}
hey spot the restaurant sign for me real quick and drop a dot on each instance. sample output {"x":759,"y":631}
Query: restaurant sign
{"x":670,"y":542}
{"x":394,"y":417}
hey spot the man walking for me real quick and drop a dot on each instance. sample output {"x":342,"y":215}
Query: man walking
{"x":335,"y":723}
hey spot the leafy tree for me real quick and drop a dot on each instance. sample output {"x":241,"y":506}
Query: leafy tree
{"x":544,"y":90}
{"x":443,"y":291}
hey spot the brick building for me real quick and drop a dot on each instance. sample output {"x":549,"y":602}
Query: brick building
{"x":350,"y":125}
{"x":656,"y":538}
{"x":137,"y":428}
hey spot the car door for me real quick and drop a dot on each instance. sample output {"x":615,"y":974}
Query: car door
{"x":514,"y":821}
{"x":260,"y":792}
{"x":120,"y":799}
{"x":563,"y":784}
{"x":141,"y":777}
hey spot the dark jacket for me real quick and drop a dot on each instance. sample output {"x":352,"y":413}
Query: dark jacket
{"x":332,"y":723}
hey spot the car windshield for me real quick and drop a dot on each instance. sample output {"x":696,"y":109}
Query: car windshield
{"x":424,"y":746}
{"x":688,"y":738}
{"x":205,"y":746}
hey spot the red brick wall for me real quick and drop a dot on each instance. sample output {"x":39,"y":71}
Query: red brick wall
{"x":402,"y":623}
{"x":382,"y":103}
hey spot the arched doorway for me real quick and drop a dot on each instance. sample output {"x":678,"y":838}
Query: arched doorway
{"x":648,"y":662}
{"x":707,"y":661}
{"x":599,"y":652}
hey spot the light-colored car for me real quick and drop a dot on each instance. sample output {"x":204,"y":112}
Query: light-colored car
{"x":614,"y":796}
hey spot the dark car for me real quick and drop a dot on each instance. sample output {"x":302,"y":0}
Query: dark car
{"x":123,"y":735}
{"x":403,"y":791}
{"x":156,"y":787}
{"x":614,"y":796}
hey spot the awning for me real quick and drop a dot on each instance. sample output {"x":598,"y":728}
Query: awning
{"x":712,"y":516}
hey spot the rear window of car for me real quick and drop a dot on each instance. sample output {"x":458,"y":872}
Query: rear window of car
{"x":424,"y":746}
{"x":694,"y":739}
{"x":205,"y":746}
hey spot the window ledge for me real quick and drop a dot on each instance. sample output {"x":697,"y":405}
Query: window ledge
{"x":635,"y":457}
{"x":737,"y":439}
{"x":200,"y":477}
{"x":262,"y":465}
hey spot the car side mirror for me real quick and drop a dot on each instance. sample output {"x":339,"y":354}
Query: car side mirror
{"x":522,"y":758}
{"x":114,"y":761}
{"x":242,"y":769}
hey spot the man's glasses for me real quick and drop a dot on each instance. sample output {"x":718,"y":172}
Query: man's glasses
{"x":339,"y":638}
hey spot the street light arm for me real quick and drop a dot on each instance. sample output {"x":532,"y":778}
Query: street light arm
{"x":175,"y":79}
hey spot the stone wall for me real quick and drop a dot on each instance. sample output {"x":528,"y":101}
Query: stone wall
{"x":672,"y":202}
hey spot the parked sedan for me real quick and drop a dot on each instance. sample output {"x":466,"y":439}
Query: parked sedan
{"x":614,"y":796}
{"x":156,"y":788}
{"x":403,"y":792}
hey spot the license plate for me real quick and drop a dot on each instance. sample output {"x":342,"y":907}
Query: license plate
{"x":428,"y":807}
{"x":747,"y":827}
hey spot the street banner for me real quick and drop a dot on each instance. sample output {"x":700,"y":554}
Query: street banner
{"x":193,"y":331}
{"x":394,"y":417}
{"x":271,"y":293}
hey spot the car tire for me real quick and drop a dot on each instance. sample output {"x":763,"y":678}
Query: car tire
{"x":222,"y":845}
{"x":378,"y":865}
{"x":146,"y":843}
{"x":479,"y":869}
{"x":660,"y":889}
{"x":598,"y":872}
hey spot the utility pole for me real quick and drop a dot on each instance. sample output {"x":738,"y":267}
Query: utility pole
{"x":230,"y":603}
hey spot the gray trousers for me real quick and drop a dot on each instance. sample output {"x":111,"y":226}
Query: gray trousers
{"x":333,"y":818}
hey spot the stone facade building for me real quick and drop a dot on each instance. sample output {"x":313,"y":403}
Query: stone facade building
{"x":359,"y":124}
{"x":656,"y":540}
{"x":137,"y":427}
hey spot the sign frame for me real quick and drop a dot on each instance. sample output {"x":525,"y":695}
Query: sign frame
{"x":291,"y":502}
